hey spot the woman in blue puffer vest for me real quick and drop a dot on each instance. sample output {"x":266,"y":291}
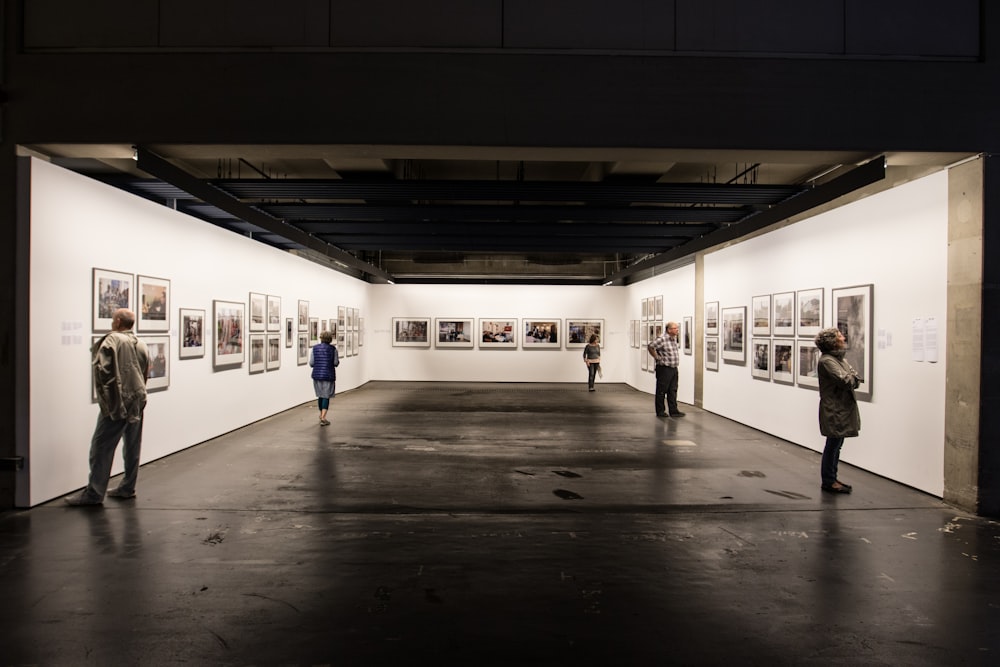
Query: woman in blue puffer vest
{"x":324,"y":359}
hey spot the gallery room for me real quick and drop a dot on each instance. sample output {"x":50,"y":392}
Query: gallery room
{"x":748,"y":312}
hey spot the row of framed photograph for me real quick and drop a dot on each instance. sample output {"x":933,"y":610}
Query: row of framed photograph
{"x":265,"y":348}
{"x":652,"y":308}
{"x":790,"y":314}
{"x":793,"y":360}
{"x":494,"y":333}
{"x":232,"y":330}
{"x":774,"y":359}
{"x":113,"y":290}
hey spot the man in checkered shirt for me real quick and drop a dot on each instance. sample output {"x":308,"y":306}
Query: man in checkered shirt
{"x":667,"y":353}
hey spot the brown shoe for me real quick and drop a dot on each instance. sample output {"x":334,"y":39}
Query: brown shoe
{"x":836,"y":487}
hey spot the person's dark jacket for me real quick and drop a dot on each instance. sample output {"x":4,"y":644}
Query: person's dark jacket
{"x":838,"y":408}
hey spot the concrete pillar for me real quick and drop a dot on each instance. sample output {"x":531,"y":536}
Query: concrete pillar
{"x":698,"y":339}
{"x":972,"y":403}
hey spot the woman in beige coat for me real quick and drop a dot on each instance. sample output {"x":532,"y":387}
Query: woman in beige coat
{"x":838,"y":408}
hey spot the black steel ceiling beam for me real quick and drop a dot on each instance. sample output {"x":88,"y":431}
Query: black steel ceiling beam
{"x":503,"y":213}
{"x":505,"y":245}
{"x":859,"y":177}
{"x":559,"y":191}
{"x":156,"y":166}
{"x":609,"y":232}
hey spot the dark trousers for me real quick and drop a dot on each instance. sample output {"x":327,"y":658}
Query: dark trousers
{"x":666,"y":388}
{"x":831,"y":460}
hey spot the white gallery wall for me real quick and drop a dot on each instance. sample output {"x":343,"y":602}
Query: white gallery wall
{"x":896,"y":241}
{"x":677,"y":289}
{"x":78,"y":224}
{"x":500,"y":302}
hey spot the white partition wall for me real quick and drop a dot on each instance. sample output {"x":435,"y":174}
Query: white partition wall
{"x":523,"y":363}
{"x":676,"y":290}
{"x":895,"y":241}
{"x":78,"y":224}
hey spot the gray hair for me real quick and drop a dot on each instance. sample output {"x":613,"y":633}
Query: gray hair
{"x":326,"y":337}
{"x":826,"y":340}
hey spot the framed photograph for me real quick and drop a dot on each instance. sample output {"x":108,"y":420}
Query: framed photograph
{"x":498,"y":333}
{"x":228,"y":317}
{"x":352,"y":318}
{"x":653,"y":331}
{"x":760,"y":310}
{"x":273,"y":313}
{"x":289,"y":331}
{"x":356,"y":342}
{"x":361,"y":331}
{"x":578,"y":332}
{"x":258,"y":312}
{"x":658,"y":308}
{"x":303,"y":316}
{"x":644,"y":360}
{"x":302,"y":349}
{"x":711,"y":353}
{"x":733,"y":338}
{"x":808,"y":312}
{"x":159,"y":362}
{"x":154,"y":303}
{"x":258,"y":358}
{"x":342,"y":339}
{"x":687,"y":335}
{"x":273,"y":351}
{"x":342,"y":317}
{"x":411,"y":332}
{"x":111,"y":290}
{"x":541,"y":334}
{"x":783,"y":361}
{"x":852,"y":315}
{"x":808,"y":364}
{"x":313,"y":330}
{"x":783,"y":314}
{"x":645,"y":309}
{"x":454,"y":332}
{"x":712,"y":318}
{"x":760,"y":358}
{"x":192,"y":333}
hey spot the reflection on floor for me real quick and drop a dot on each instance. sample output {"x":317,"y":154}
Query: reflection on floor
{"x":499,"y":524}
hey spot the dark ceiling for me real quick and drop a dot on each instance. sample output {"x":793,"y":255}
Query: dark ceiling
{"x":484,"y":215}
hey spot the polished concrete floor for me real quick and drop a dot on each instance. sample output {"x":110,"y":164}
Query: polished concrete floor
{"x":499,"y":524}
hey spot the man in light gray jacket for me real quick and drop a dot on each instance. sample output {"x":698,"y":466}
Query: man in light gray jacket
{"x":121,"y":366}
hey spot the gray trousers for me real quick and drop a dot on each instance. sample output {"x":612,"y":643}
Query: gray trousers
{"x":103,"y":444}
